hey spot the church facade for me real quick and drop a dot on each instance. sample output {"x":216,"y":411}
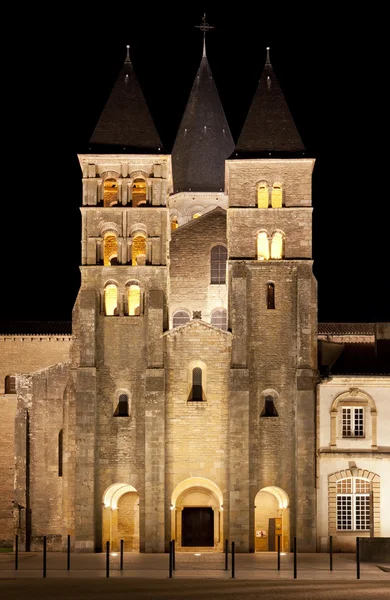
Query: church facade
{"x":195,"y":398}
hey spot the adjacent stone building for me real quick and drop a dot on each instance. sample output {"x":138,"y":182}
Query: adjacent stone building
{"x":187,"y":400}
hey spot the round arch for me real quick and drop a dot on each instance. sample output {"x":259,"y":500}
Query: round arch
{"x":272,"y":519}
{"x":121,"y":517}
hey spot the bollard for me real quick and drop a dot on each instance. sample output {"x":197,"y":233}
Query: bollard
{"x":278,"y":552}
{"x":68,"y":558}
{"x":357,"y":558}
{"x":173,"y":556}
{"x":233,"y":572}
{"x":16,"y":552}
{"x":44,"y":556}
{"x":330,"y":553}
{"x":226,"y":555}
{"x":170,"y":559}
{"x":295,"y":557}
{"x":121,"y":563}
{"x":107,"y":559}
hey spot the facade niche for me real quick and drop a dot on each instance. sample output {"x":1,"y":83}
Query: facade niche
{"x":110,"y":192}
{"x":10,"y":384}
{"x":122,"y":409}
{"x":269,"y":409}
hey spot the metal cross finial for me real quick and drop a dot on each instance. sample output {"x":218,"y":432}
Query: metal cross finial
{"x":127,"y":54}
{"x":205,"y":27}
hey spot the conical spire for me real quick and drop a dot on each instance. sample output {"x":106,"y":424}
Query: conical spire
{"x":269,"y":125}
{"x":204,"y":140}
{"x":126,"y":120}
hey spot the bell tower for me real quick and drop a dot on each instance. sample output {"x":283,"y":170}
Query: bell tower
{"x":273,"y":319}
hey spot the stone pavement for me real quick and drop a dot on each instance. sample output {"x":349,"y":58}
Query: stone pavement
{"x":188,"y":565}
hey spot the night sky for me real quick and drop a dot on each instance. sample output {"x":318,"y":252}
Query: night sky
{"x":61,"y":69}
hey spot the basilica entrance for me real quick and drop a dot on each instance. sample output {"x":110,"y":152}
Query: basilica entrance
{"x":197,"y":526}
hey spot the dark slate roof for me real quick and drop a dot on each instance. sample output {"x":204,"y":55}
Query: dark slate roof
{"x":346,"y":328}
{"x":126,"y":121}
{"x":269,"y":126}
{"x":36,"y":328}
{"x":363,"y":359}
{"x":204,"y":141}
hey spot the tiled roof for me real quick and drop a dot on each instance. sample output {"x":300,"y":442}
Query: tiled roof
{"x":269,"y":125}
{"x":204,"y":140}
{"x":126,"y":120}
{"x":346,"y":328}
{"x":363,"y":359}
{"x":36,"y":328}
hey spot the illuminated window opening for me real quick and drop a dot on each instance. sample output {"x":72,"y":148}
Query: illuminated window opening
{"x":196,"y":215}
{"x":353,"y":504}
{"x":134,"y":300}
{"x":269,"y":409}
{"x":262,"y":195}
{"x":111,"y":300}
{"x":277,"y":196}
{"x":180,"y":317}
{"x":122,"y":410}
{"x":277,"y":245}
{"x":10,"y":384}
{"x":139,"y":192}
{"x":110,"y":249}
{"x":270,"y":296}
{"x":138,"y":251}
{"x":110,"y":192}
{"x":196,"y":391}
{"x":218,"y":258}
{"x":219,"y":318}
{"x":174,"y":223}
{"x":262,"y":246}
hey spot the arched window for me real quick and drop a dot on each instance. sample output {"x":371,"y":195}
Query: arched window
{"x":174,"y":223}
{"x":180,"y":317}
{"x":277,"y":245}
{"x":122,"y":409}
{"x":270,"y":295}
{"x":262,"y":246}
{"x":134,"y":300}
{"x":138,"y":252}
{"x":197,"y":391}
{"x":60,"y":452}
{"x":269,"y":409}
{"x":218,"y":258}
{"x":110,"y":300}
{"x":10,"y":384}
{"x":262,"y":195}
{"x":110,"y":249}
{"x":277,"y":196}
{"x":139,"y":192}
{"x":110,"y":191}
{"x":353,"y":504}
{"x":219,"y":318}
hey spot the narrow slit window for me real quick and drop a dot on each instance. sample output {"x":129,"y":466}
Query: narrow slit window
{"x":262,"y":195}
{"x":10,"y":384}
{"x":122,"y":410}
{"x":270,"y":296}
{"x":60,"y":452}
{"x":277,"y":196}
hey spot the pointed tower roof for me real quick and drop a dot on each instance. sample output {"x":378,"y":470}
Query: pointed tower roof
{"x":126,"y":120}
{"x":269,"y":125}
{"x":204,"y":140}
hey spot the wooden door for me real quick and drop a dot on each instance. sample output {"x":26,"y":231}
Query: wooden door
{"x":197,"y":526}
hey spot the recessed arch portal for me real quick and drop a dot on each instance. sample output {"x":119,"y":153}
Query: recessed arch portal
{"x":121,"y":517}
{"x":196,"y":514}
{"x":272,"y":518}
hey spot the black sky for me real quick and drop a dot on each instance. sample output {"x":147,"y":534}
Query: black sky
{"x":60,"y":69}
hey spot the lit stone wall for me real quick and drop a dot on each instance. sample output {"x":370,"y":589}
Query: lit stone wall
{"x":190,"y":265}
{"x":7,"y":429}
{"x":197,"y":431}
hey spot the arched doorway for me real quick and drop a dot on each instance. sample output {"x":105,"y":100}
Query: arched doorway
{"x":272,"y":519}
{"x":197,"y":515}
{"x":121,"y":517}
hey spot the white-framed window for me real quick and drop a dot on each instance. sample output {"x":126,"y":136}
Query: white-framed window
{"x":353,"y":421}
{"x":353,"y":504}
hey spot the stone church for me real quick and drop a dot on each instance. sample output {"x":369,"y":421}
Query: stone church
{"x":195,"y":397}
